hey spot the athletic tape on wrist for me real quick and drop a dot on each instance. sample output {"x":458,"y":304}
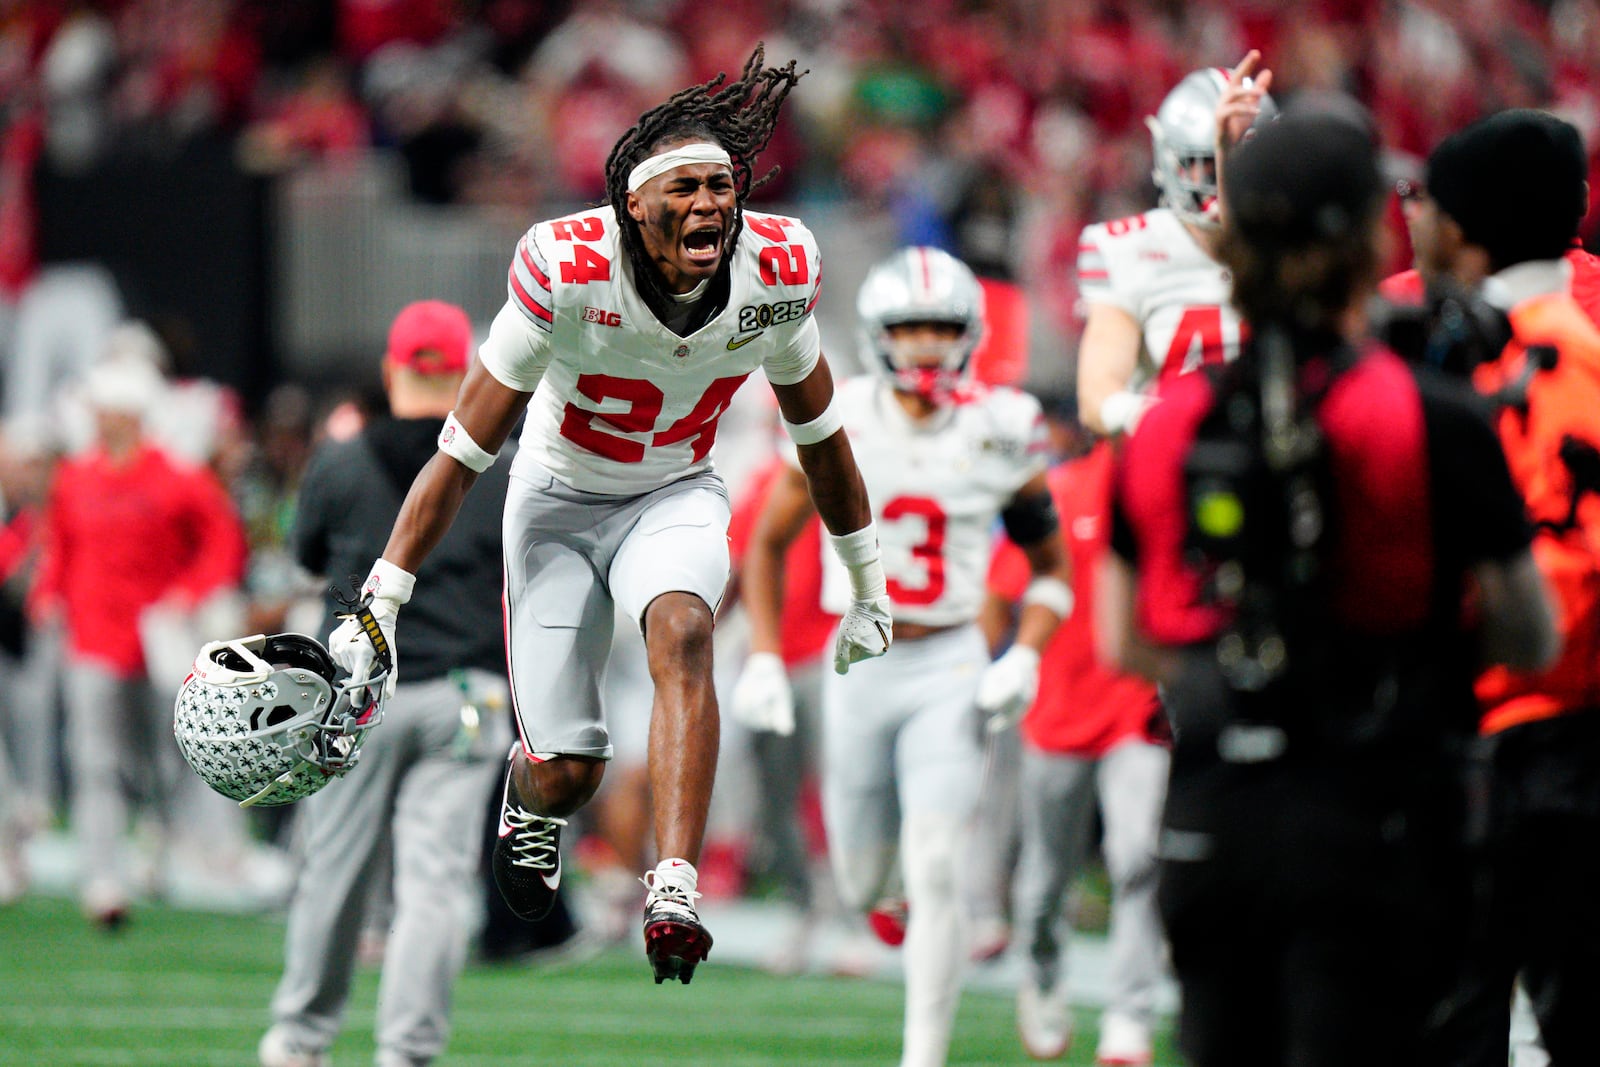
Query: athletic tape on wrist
{"x":457,"y":443}
{"x":818,"y":429}
{"x":1052,"y":593}
{"x":390,"y":582}
{"x":698,"y":152}
{"x":858,"y":551}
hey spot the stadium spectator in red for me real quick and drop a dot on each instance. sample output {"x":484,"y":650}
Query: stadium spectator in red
{"x":1316,"y":657}
{"x":1091,"y":733}
{"x":1504,"y":198}
{"x":125,"y":528}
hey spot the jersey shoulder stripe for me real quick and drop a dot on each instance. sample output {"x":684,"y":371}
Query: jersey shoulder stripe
{"x":528,"y":283}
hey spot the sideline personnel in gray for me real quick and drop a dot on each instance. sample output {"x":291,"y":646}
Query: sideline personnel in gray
{"x":417,"y":795}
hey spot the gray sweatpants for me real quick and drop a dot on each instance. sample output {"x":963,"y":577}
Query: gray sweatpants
{"x":121,"y":748}
{"x":1057,"y":797}
{"x":421,"y":788}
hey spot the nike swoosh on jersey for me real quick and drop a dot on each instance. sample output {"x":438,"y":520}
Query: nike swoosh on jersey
{"x":740,"y":342}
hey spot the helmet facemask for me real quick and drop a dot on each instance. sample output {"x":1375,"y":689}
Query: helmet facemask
{"x":929,"y":287}
{"x":263,"y":720}
{"x":1187,"y":178}
{"x":931,"y":367}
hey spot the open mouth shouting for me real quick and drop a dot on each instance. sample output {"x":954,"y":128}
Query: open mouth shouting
{"x":702,"y":245}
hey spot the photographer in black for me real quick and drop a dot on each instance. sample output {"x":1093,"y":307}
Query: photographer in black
{"x":1295,"y":539}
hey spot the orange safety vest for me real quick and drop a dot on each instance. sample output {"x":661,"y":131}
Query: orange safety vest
{"x":1561,"y":402}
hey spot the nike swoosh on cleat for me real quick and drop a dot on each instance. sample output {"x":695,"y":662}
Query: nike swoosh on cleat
{"x":551,"y":884}
{"x":740,"y":342}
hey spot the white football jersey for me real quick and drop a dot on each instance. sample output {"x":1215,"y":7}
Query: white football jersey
{"x":936,"y":488}
{"x":621,"y":404}
{"x":1150,"y":266}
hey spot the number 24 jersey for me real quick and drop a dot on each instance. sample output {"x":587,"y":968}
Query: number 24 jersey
{"x":621,"y":404}
{"x":936,"y":488}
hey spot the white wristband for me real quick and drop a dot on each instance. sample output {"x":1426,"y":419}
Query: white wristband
{"x":1052,"y":593}
{"x":390,"y":582}
{"x":858,"y":551}
{"x":818,"y":429}
{"x":1119,"y":412}
{"x":457,"y":443}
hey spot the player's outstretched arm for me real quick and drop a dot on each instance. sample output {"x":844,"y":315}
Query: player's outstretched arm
{"x":830,"y":467}
{"x":1107,"y":357}
{"x":486,"y":412}
{"x":835,"y":485}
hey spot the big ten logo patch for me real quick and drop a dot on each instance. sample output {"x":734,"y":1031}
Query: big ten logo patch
{"x":760,"y":316}
{"x":601,"y":316}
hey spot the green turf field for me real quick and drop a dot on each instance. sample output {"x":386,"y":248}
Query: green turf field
{"x":190,"y":989}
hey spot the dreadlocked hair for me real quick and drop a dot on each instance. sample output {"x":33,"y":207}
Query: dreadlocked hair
{"x":740,"y":116}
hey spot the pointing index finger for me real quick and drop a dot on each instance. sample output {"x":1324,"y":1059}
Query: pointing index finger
{"x":1244,"y":68}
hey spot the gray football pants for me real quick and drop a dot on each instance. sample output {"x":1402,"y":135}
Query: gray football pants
{"x":420,"y":788}
{"x":1057,"y":798}
{"x":121,"y":748}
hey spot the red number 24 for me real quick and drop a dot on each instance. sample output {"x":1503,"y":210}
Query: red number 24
{"x":644,"y":401}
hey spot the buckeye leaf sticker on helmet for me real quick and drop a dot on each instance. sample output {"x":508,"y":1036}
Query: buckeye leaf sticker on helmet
{"x":264,"y":721}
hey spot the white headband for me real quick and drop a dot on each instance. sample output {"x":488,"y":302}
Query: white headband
{"x":699,"y":152}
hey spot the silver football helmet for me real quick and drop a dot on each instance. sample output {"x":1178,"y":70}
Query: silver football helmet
{"x":263,"y":720}
{"x":920,"y":284}
{"x":1183,"y":135}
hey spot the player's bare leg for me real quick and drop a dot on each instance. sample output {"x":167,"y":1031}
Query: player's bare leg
{"x":684,"y":736}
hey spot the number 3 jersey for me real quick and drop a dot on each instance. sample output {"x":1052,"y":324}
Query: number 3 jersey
{"x":621,"y":404}
{"x":1150,"y":266}
{"x":936,"y":487}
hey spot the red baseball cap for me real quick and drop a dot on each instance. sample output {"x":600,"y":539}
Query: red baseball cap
{"x":431,"y":337}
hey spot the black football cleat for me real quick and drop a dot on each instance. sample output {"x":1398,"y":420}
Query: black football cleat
{"x":527,"y":853}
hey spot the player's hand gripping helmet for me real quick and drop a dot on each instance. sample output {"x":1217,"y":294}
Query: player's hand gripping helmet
{"x":921,"y":284}
{"x":263,"y":720}
{"x":1183,"y":140}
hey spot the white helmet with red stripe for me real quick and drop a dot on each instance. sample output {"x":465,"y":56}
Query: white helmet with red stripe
{"x":921,"y":285}
{"x":1183,"y":140}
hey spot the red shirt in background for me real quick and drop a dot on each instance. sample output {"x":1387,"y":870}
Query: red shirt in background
{"x":118,"y":538}
{"x":805,"y":629}
{"x":1083,"y":708}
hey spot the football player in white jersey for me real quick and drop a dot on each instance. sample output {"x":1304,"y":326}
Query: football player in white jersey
{"x":626,"y":331}
{"x":904,"y":736}
{"x":1156,"y":297}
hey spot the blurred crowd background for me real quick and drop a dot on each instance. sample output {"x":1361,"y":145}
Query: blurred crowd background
{"x":242,"y":193}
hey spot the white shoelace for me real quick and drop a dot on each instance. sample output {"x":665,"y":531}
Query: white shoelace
{"x":535,"y":839}
{"x":673,"y":894}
